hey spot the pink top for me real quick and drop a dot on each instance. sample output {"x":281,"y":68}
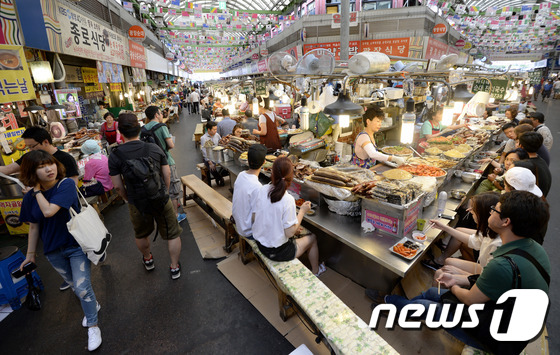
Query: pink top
{"x":98,"y":167}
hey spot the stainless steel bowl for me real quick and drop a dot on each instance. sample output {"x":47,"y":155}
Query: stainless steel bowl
{"x":457,"y":194}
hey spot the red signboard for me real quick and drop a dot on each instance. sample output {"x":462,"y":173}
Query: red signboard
{"x":460,"y":43}
{"x":137,"y":55}
{"x":334,"y":47}
{"x":293,"y":51}
{"x":137,"y":33}
{"x":262,"y":66}
{"x":435,"y":49}
{"x":440,"y":29}
{"x":391,"y":46}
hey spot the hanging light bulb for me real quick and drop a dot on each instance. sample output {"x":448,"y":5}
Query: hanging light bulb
{"x":447,"y":115}
{"x":125,"y":94}
{"x":255,"y":106}
{"x":344,"y":121}
{"x":408,"y":121}
{"x":458,"y":106}
{"x":121,"y":96}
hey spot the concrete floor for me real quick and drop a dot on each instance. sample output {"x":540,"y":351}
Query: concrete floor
{"x":202,"y":312}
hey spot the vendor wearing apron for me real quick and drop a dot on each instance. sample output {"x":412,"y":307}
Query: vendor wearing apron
{"x":109,"y":129}
{"x":268,"y":123}
{"x":365,"y":150}
{"x":433,"y":128}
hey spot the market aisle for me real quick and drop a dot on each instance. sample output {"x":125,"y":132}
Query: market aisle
{"x":145,"y":312}
{"x":552,"y":241}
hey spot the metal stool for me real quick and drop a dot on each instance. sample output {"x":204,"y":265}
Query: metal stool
{"x":12,"y":290}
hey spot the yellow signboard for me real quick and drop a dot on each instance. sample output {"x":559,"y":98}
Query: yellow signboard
{"x":94,"y":88}
{"x":10,"y":212}
{"x":116,"y":87}
{"x":90,"y":75}
{"x":15,"y":80}
{"x":16,"y":146}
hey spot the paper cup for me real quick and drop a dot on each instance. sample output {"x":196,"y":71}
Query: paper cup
{"x":420,"y":224}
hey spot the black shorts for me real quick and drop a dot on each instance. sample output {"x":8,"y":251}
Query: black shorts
{"x":284,"y":252}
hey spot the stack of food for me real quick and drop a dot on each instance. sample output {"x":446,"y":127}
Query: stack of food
{"x":396,"y":192}
{"x":434,"y":151}
{"x":440,"y":163}
{"x":301,"y":171}
{"x":333,"y":177}
{"x":397,"y":174}
{"x":236,"y":144}
{"x":454,"y":154}
{"x":423,"y":170}
{"x":364,"y":189}
{"x":463,"y":148}
{"x":476,"y":137}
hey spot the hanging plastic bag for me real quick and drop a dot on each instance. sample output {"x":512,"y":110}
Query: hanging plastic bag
{"x":320,"y":124}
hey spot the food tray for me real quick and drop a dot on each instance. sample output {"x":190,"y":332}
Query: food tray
{"x":387,"y":150}
{"x":404,"y":240}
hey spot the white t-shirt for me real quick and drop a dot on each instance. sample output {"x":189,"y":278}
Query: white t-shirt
{"x":272,"y":218}
{"x":262,"y":118}
{"x":195,"y":97}
{"x":244,"y":194}
{"x":486,"y":246}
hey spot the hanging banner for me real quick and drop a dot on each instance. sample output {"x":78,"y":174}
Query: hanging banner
{"x":109,"y":72}
{"x":116,"y":87}
{"x":90,"y":75}
{"x":137,"y":55}
{"x":390,"y":46}
{"x":84,"y":37}
{"x":10,"y":210}
{"x":16,"y":145}
{"x":73,"y":74}
{"x":15,"y":80}
{"x":69,"y":99}
{"x":139,"y":75}
{"x":336,"y":19}
{"x":93,"y":88}
{"x":260,"y":87}
{"x":499,"y":87}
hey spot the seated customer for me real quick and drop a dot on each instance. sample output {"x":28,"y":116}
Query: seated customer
{"x":276,"y":221}
{"x":531,"y":142}
{"x":524,"y":127}
{"x":245,"y":190}
{"x":516,"y":218}
{"x":237,"y":130}
{"x":96,"y":171}
{"x":225,"y":126}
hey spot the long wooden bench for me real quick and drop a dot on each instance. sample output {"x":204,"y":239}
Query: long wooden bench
{"x":217,"y":206}
{"x":333,"y":322}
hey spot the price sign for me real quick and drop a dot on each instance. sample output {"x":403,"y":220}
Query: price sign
{"x":261,"y":87}
{"x":499,"y":87}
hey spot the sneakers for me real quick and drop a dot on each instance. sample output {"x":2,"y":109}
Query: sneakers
{"x":94,"y":338}
{"x":376,"y":296}
{"x":64,"y":286}
{"x":84,"y":321}
{"x":175,"y":273}
{"x":149,"y":264}
{"x":322,"y":269}
{"x":181,"y":217}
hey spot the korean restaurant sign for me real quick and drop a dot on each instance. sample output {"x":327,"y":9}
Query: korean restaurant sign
{"x":90,"y":75}
{"x":435,"y":49}
{"x":391,"y":46}
{"x":336,"y":19}
{"x":439,"y":29}
{"x":86,"y":38}
{"x":136,"y":33}
{"x":334,"y":48}
{"x":15,"y":79}
{"x":137,"y":55}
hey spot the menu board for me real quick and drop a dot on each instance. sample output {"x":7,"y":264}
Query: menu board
{"x":499,"y":87}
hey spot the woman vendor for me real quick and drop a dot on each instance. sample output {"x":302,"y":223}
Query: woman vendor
{"x":268,"y":123}
{"x":433,"y":127}
{"x":109,"y":129}
{"x":365,"y":150}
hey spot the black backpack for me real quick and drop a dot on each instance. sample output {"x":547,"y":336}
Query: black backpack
{"x":143,"y":176}
{"x":149,"y":136}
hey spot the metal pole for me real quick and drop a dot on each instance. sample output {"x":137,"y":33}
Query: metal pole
{"x":344,"y":30}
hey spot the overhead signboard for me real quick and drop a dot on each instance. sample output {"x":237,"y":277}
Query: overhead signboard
{"x":137,"y":55}
{"x":439,"y":30}
{"x":499,"y":87}
{"x":136,"y":33}
{"x":15,"y":79}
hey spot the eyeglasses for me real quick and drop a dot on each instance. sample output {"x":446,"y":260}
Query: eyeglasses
{"x":33,"y":146}
{"x":493,"y":208}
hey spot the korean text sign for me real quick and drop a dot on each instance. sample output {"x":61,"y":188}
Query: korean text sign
{"x":10,"y":210}
{"x":86,"y":38}
{"x":389,"y":46}
{"x":499,"y":88}
{"x":15,"y":80}
{"x":137,"y":55}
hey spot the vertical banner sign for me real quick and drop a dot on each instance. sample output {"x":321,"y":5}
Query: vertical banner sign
{"x":499,"y":87}
{"x":435,"y":49}
{"x":86,"y":38}
{"x":15,"y":80}
{"x":10,"y":210}
{"x":137,"y":55}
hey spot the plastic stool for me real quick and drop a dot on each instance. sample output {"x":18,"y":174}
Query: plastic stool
{"x":13,"y":290}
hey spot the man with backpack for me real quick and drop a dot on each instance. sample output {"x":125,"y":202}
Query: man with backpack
{"x":156,"y":132}
{"x":141,"y":175}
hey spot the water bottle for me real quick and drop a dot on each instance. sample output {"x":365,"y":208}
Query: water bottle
{"x":442,"y":200}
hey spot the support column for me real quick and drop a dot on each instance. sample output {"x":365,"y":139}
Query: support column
{"x":344,"y":29}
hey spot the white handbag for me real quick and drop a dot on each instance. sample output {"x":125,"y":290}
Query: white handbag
{"x":89,"y":231}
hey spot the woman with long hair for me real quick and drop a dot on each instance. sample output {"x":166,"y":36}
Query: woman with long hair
{"x":276,"y":223}
{"x":46,"y":208}
{"x":483,"y":239}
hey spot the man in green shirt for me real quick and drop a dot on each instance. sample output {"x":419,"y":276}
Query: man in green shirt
{"x":155,"y":117}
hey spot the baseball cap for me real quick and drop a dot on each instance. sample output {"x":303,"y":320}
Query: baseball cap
{"x":522,"y":179}
{"x":90,"y":147}
{"x":256,"y":155}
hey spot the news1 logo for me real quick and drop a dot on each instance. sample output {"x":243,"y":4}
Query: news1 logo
{"x":522,"y":322}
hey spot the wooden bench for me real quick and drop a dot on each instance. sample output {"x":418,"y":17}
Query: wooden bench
{"x":204,"y":173}
{"x":217,"y":206}
{"x":332,"y":321}
{"x":198,"y":133}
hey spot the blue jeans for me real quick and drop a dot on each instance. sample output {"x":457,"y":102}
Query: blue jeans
{"x":427,"y":298}
{"x":74,"y":267}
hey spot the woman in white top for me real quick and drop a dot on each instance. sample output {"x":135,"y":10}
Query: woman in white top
{"x":268,"y":126}
{"x":365,"y":150}
{"x":276,"y":221}
{"x":483,"y":239}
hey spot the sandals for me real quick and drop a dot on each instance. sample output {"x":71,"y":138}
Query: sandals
{"x":322,"y":269}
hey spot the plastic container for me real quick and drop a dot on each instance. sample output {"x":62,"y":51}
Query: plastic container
{"x":369,"y":62}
